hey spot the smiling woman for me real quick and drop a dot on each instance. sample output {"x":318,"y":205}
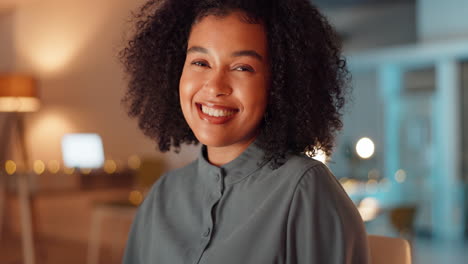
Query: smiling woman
{"x":224,"y":82}
{"x":258,"y":83}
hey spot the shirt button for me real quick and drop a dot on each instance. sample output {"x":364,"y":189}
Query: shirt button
{"x":217,"y":177}
{"x":207,"y":232}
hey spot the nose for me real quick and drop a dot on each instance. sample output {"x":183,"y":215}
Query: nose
{"x":218,"y":84}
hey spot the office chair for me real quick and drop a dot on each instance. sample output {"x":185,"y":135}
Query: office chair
{"x":388,"y":250}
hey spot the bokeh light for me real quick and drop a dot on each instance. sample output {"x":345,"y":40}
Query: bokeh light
{"x":319,"y":155}
{"x":365,"y":148}
{"x":53,"y":166}
{"x":39,"y":167}
{"x":134,"y":162}
{"x":400,"y":176}
{"x":85,"y":171}
{"x":350,"y":186}
{"x":68,"y":170}
{"x":135,"y":197}
{"x":368,"y":208}
{"x":110,"y":166}
{"x":372,"y":186}
{"x":385,"y":185}
{"x":10,"y":167}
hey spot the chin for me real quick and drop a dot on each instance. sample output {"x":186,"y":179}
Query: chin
{"x":211,"y":141}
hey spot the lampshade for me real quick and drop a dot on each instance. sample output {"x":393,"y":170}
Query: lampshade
{"x":18,"y":93}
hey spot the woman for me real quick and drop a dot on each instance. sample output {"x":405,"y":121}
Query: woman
{"x":258,"y":83}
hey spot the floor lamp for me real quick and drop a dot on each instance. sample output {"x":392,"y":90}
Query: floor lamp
{"x":18,"y":94}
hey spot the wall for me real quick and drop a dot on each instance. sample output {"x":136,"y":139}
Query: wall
{"x":6,"y":42}
{"x":374,"y":26}
{"x":439,"y":20}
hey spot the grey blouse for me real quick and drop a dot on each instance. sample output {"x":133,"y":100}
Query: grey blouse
{"x":247,"y":213}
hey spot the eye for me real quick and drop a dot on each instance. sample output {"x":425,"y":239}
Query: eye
{"x":200,"y":63}
{"x":244,"y":68}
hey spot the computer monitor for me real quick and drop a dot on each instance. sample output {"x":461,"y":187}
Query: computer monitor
{"x":82,"y":151}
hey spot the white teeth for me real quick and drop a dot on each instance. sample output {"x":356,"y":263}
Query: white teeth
{"x":216,"y":112}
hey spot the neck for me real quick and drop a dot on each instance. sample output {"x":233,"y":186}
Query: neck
{"x":219,"y":156}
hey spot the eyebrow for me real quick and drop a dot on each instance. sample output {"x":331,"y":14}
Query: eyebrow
{"x":240,"y":53}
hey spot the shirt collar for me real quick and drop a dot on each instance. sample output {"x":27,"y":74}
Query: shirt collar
{"x":244,"y":165}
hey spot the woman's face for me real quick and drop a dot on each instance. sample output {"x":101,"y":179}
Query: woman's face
{"x":224,"y":83}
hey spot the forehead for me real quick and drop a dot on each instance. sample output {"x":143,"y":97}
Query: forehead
{"x":229,"y":31}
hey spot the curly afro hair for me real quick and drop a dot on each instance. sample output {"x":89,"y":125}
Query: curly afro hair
{"x":308,"y":86}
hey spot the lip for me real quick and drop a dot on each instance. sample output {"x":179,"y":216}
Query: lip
{"x":216,"y":120}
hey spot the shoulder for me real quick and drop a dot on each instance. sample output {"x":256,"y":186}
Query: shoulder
{"x":311,"y":177}
{"x":301,"y":168}
{"x":319,"y":192}
{"x":320,"y":209}
{"x":316,"y":186}
{"x":299,"y":163}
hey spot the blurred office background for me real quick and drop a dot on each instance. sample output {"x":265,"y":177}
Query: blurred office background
{"x":402,"y":156}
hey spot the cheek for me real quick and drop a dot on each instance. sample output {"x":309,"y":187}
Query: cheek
{"x":262,"y":100}
{"x":257,"y":96}
{"x":189,"y":82}
{"x":185,"y":93}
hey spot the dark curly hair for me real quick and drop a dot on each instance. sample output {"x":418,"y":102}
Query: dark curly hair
{"x":309,"y":77}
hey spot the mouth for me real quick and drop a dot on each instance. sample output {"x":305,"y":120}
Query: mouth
{"x":216,"y":114}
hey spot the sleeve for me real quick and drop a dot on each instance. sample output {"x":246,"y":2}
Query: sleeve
{"x":323,"y":224}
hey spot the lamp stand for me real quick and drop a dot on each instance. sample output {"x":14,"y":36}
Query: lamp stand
{"x":15,"y":121}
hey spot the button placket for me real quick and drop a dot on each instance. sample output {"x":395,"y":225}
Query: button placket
{"x":213,"y":199}
{"x":220,"y":180}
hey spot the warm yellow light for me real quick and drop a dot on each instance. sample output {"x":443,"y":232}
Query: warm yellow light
{"x":350,"y":186}
{"x":49,"y":125}
{"x":19,"y":104}
{"x":371,"y":185}
{"x":319,"y":155}
{"x":68,"y":170}
{"x":110,"y":166}
{"x":368,"y":208}
{"x":400,"y":176}
{"x":135,"y":197}
{"x":18,"y":93}
{"x":343,"y":180}
{"x":10,"y":167}
{"x":134,"y":162}
{"x":365,"y":148}
{"x":39,"y":167}
{"x":85,"y":171}
{"x":58,"y":31}
{"x":53,"y":166}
